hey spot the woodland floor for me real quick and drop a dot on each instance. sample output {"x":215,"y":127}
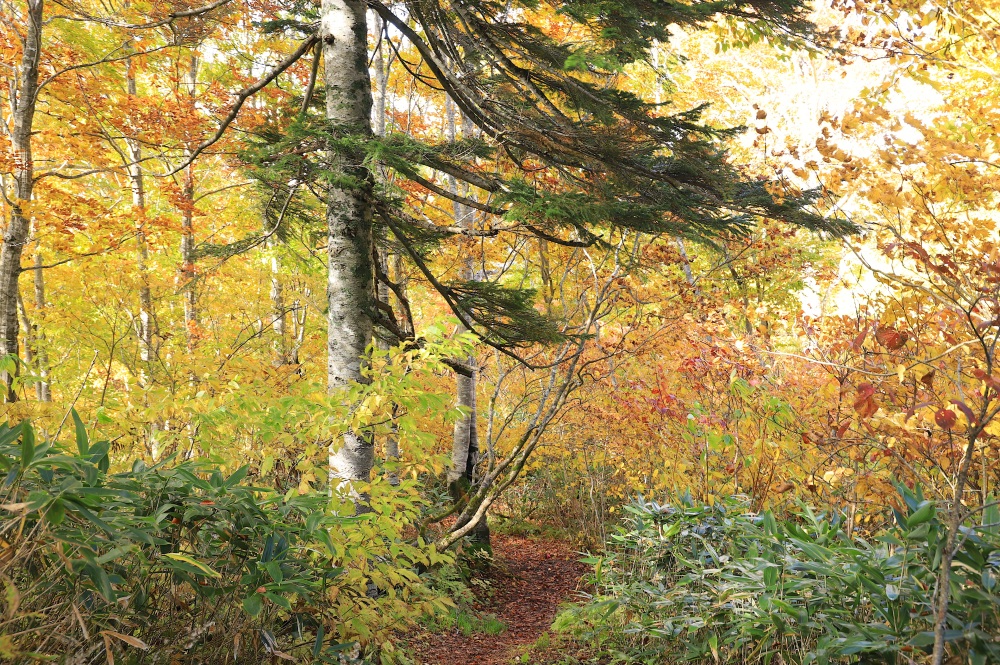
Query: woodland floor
{"x":530,"y":579}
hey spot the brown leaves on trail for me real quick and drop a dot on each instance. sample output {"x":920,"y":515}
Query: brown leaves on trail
{"x":531,"y":578}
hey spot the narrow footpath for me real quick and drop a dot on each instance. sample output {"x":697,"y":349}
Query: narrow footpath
{"x":531,"y":579}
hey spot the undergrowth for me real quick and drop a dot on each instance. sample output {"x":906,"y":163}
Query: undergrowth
{"x":722,"y":584}
{"x":182,"y":562}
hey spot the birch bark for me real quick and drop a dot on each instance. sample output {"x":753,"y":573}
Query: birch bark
{"x":43,"y":388}
{"x":187,"y":232}
{"x":351,"y":284}
{"x":465,"y":442}
{"x":16,"y":234}
{"x":144,"y":324}
{"x":383,"y":61}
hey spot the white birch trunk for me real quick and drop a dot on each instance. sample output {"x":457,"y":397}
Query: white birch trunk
{"x":42,"y":388}
{"x":383,"y":61}
{"x":278,"y":313}
{"x":465,"y":441}
{"x":16,"y":234}
{"x":144,"y":325}
{"x":187,"y":233}
{"x":350,"y":287}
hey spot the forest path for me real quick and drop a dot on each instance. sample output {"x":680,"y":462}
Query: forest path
{"x":531,"y":578}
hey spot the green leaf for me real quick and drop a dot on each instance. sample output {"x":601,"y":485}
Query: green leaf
{"x":198,"y":565}
{"x":280,"y":601}
{"x":318,"y":644}
{"x":11,"y":435}
{"x":273,"y":569}
{"x":253,"y":604}
{"x":83,"y":510}
{"x":56,"y":512}
{"x":82,"y":442}
{"x":237,"y":476}
{"x":923,"y":513}
{"x":101,"y":581}
{"x":116,"y":553}
{"x":27,"y":444}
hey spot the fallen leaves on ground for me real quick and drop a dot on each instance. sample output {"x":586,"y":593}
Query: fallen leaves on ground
{"x":531,"y":578}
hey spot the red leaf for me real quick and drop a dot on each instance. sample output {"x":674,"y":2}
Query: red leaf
{"x":890,"y":338}
{"x":866,"y":408}
{"x":945,"y":418}
{"x":860,"y":339}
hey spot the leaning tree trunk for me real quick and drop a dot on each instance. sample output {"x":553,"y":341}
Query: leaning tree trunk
{"x":16,"y":234}
{"x":465,"y":443}
{"x":351,"y":285}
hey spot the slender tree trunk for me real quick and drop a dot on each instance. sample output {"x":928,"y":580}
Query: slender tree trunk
{"x":686,"y":265}
{"x":144,"y":325}
{"x":465,"y":442}
{"x":16,"y":234}
{"x":956,"y":514}
{"x":392,"y":439}
{"x":187,"y":233}
{"x":42,"y":388}
{"x":299,"y":312}
{"x":29,"y":332}
{"x":383,"y":61}
{"x":279,"y":316}
{"x":545,"y":273}
{"x":351,"y":285}
{"x":187,"y":260}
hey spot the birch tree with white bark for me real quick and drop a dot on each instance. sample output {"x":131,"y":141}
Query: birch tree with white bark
{"x":351,"y":282}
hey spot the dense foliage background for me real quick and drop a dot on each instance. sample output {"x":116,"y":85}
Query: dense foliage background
{"x":709,"y":289}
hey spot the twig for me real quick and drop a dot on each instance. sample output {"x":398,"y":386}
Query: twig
{"x":78,"y":393}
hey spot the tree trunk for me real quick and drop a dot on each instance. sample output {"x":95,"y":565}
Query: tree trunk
{"x":187,"y":233}
{"x":383,"y":61}
{"x":351,"y":286}
{"x":144,"y":325}
{"x":16,"y":234}
{"x":42,"y":388}
{"x":465,"y":443}
{"x":956,"y":515}
{"x":279,"y":317}
{"x":29,"y":332}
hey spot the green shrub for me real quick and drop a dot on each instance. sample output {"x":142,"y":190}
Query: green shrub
{"x":721,"y":584}
{"x":178,"y":561}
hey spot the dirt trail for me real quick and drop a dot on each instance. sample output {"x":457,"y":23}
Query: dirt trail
{"x":532,"y":578}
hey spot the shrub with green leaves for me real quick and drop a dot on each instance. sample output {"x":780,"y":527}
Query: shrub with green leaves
{"x":180,"y":561}
{"x":721,"y":584}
